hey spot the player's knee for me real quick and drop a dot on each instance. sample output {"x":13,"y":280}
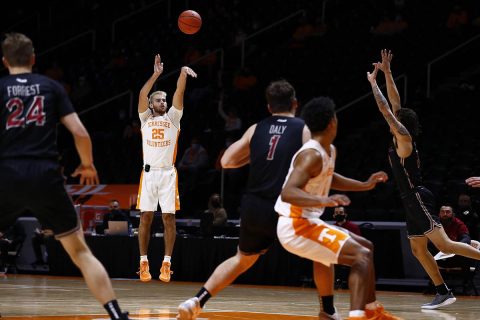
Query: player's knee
{"x":146,"y":218}
{"x":168,"y":218}
{"x":362,"y":256}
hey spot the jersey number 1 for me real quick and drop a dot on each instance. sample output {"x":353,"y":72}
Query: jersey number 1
{"x":35,"y":112}
{"x":273,"y":146}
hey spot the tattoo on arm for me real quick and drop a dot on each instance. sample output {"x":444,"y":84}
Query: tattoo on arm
{"x":395,"y":125}
{"x":382,"y":104}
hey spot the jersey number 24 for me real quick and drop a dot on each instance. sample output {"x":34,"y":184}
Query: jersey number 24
{"x":35,"y":113}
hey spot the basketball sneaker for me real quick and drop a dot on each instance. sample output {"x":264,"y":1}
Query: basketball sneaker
{"x":144,"y":271}
{"x":325,"y":316}
{"x":189,"y":309}
{"x":165,"y":271}
{"x":357,"y":318}
{"x":440,"y":300}
{"x":380,"y":314}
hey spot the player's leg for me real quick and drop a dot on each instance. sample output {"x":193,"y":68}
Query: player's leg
{"x":323,"y":277}
{"x":144,"y":232}
{"x":257,"y":233}
{"x":169,"y":236}
{"x":357,"y":257}
{"x":420,"y":251}
{"x":444,"y":295}
{"x":93,"y":272}
{"x":446,"y":245}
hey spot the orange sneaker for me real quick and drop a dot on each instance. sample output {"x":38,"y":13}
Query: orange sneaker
{"x":144,"y":271}
{"x":380,"y":314}
{"x":165,"y":271}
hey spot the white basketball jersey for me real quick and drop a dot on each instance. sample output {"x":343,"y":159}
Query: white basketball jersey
{"x":160,"y":136}
{"x":319,"y":185}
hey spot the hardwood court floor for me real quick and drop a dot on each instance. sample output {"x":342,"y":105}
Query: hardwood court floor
{"x":46,"y":297}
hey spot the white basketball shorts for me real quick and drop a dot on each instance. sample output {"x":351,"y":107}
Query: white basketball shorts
{"x":313,"y":239}
{"x":159,"y":186}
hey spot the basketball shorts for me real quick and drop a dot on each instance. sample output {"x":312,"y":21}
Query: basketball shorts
{"x":313,"y":239}
{"x":258,"y":224}
{"x":419,"y":212}
{"x":159,"y":187}
{"x":37,"y":187}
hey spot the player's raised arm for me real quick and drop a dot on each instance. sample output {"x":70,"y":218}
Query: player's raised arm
{"x":181,"y":84}
{"x":392,"y":92}
{"x":143,"y":96}
{"x":402,"y":136}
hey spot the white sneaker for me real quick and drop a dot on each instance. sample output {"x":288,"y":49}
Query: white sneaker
{"x":189,"y":309}
{"x":325,"y":316}
{"x":440,"y":300}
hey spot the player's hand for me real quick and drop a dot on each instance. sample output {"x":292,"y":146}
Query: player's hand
{"x":88,"y":174}
{"x":387,"y":57}
{"x":372,"y":77}
{"x":473,"y":182}
{"x":337,"y":200}
{"x":158,"y":65}
{"x":186,"y":71}
{"x":377,"y":177}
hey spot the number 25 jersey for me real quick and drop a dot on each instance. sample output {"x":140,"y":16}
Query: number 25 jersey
{"x":160,"y":136}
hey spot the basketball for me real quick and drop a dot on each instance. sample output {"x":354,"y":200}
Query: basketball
{"x":189,"y":22}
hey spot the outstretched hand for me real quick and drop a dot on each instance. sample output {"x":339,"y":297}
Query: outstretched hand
{"x":372,"y":77}
{"x":473,"y":182}
{"x":377,"y":177}
{"x":387,"y":57}
{"x":336,"y":200}
{"x":186,"y":71}
{"x":88,"y":174}
{"x":158,"y":65}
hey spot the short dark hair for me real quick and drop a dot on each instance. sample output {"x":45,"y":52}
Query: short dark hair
{"x":318,"y":113}
{"x":17,"y":49}
{"x":409,"y":119}
{"x":280,"y":95}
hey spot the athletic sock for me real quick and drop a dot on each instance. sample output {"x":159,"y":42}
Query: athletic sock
{"x":326,"y":303}
{"x":203,"y":295}
{"x":167,"y":258}
{"x":143,"y":258}
{"x":113,"y":309}
{"x":442,"y":289}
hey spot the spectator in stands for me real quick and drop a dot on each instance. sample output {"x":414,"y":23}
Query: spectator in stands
{"x":467,"y":213}
{"x":214,"y":216}
{"x":456,"y":230}
{"x":38,"y":241}
{"x":10,"y":239}
{"x":233,"y":124}
{"x":115,"y":214}
{"x":340,"y":217}
{"x":194,"y":160}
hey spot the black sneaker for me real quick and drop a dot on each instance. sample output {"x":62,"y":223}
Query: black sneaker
{"x":440,"y":300}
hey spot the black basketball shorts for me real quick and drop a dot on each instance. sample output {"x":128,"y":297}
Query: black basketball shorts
{"x":420,"y":212}
{"x":258,"y":224}
{"x":36,"y":186}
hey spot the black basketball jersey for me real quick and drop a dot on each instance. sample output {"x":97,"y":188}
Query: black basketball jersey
{"x":31,"y":106}
{"x":407,"y":171}
{"x":273,"y":144}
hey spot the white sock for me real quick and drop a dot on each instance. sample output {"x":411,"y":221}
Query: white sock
{"x":167,"y":258}
{"x":371,"y":305}
{"x":143,"y":258}
{"x":356,"y":313}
